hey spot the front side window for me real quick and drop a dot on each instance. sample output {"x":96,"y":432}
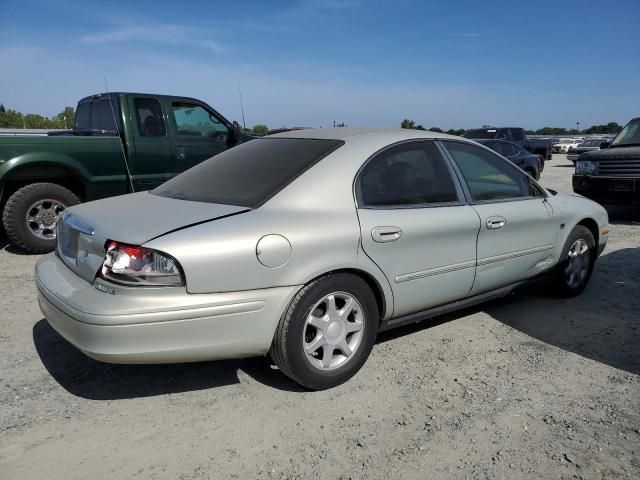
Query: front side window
{"x":405,"y":175}
{"x":488,"y":176}
{"x":195,"y":121}
{"x":149,"y":117}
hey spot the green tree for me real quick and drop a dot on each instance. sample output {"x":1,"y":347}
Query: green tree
{"x":459,"y":132}
{"x":406,"y":123}
{"x":260,"y":129}
{"x":64,"y":119}
{"x":2,"y":110}
{"x":436,"y":129}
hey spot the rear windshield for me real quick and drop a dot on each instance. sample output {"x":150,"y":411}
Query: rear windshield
{"x":249,"y":174}
{"x":481,"y":133}
{"x":97,"y":115}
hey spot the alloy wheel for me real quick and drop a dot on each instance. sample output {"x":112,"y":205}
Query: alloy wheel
{"x":333,"y":331}
{"x":577,"y":267}
{"x":42,"y":218}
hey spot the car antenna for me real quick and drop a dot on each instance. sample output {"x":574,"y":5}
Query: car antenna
{"x":244,"y":124}
{"x":115,"y":121}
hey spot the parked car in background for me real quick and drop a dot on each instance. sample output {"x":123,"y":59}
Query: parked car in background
{"x":586,"y":146}
{"x":527,"y":161}
{"x":120,"y":143}
{"x":612,"y":174}
{"x":563,"y":145}
{"x":304,"y":245}
{"x":540,"y":147}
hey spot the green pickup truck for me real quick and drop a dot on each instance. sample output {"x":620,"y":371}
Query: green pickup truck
{"x":120,"y":143}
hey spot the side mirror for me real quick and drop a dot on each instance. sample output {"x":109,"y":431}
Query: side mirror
{"x":236,"y":132}
{"x":604,"y":145}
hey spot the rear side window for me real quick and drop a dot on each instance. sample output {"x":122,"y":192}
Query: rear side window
{"x":517,"y":135}
{"x":405,"y":175}
{"x":249,"y":174}
{"x":149,"y":117}
{"x":488,"y":176}
{"x":97,"y":115}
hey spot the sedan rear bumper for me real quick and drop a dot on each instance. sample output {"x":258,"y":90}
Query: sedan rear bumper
{"x":157,"y":325}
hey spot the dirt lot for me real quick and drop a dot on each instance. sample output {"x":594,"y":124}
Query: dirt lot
{"x":525,"y":387}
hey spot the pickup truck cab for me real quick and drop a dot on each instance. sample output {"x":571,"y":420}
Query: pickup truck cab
{"x":537,"y":146}
{"x":611,"y":175}
{"x":120,"y":143}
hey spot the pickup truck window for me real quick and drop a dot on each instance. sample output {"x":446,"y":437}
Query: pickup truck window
{"x":96,"y":115}
{"x":517,"y":135}
{"x":194,"y":121}
{"x":149,"y":117}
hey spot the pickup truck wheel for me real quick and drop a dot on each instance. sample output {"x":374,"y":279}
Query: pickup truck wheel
{"x":541,"y":162}
{"x":31,"y":214}
{"x":574,"y":270}
{"x":327,"y":333}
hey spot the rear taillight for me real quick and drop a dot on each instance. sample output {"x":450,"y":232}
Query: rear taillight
{"x":133,"y":265}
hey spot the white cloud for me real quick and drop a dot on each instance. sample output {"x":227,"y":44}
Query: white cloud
{"x":165,"y":34}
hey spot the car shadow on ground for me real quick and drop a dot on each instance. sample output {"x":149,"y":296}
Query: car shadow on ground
{"x":88,"y":378}
{"x":5,"y":244}
{"x":602,"y":324}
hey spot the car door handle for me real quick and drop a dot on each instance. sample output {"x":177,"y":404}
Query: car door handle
{"x":386,"y":234}
{"x":496,"y":222}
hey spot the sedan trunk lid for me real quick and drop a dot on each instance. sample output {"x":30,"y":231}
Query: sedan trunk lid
{"x":133,"y":219}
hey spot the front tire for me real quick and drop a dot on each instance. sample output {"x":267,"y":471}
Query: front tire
{"x":328,"y":331}
{"x":31,"y":215}
{"x":572,"y":274}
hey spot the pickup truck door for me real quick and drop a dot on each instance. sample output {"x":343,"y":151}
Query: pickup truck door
{"x":152,"y":161}
{"x":518,"y":227}
{"x":200,"y":133}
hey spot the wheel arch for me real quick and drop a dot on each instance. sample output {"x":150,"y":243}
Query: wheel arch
{"x":592,"y":226}
{"x":370,"y":280}
{"x":42,"y":171}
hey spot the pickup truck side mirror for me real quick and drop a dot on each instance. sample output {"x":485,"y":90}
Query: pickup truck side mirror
{"x":604,"y":145}
{"x":236,"y":132}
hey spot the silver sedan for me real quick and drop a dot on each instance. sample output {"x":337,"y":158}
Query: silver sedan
{"x":304,"y":245}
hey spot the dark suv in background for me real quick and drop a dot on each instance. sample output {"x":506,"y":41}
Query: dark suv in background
{"x":537,"y":146}
{"x":612,"y":175}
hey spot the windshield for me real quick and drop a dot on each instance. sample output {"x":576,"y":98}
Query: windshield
{"x":481,"y":133}
{"x":630,"y":135}
{"x":249,"y":174}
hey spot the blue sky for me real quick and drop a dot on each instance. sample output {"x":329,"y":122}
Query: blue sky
{"x":307,"y":63}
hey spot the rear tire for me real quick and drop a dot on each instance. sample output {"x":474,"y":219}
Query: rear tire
{"x":571,"y":276}
{"x":307,"y":343}
{"x":31,"y":214}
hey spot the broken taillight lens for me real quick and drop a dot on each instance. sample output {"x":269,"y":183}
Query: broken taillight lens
{"x":133,"y":265}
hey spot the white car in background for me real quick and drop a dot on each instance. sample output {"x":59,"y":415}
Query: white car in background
{"x":564,"y":144}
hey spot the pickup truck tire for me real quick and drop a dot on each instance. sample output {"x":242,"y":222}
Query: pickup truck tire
{"x":31,"y":214}
{"x":571,"y":276}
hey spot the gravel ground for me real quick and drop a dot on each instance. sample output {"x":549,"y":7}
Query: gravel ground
{"x":525,"y":387}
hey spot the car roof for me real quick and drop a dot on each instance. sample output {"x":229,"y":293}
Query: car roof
{"x":347,"y":133}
